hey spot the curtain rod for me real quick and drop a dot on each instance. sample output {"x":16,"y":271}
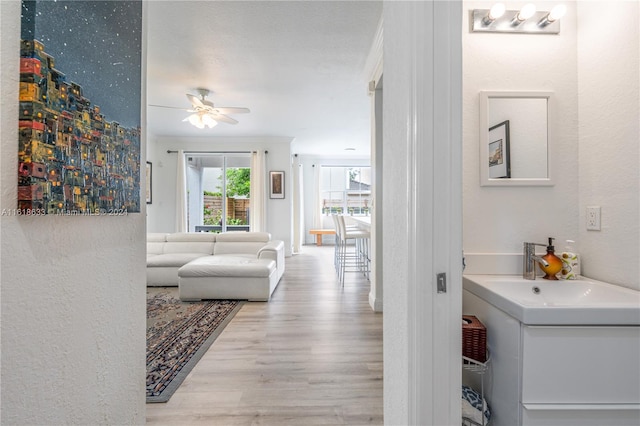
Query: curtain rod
{"x":213,"y":152}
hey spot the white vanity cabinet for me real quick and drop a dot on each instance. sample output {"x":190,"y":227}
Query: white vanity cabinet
{"x":559,"y":375}
{"x":580,"y":375}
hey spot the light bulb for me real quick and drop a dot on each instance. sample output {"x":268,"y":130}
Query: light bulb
{"x":193,"y":119}
{"x":209,"y":121}
{"x":497,"y":10}
{"x":557,"y":12}
{"x":196,"y":120}
{"x":526,"y":12}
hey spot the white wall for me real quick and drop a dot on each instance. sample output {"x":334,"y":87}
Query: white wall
{"x":609,"y":154}
{"x":593,"y":68}
{"x":73,"y":291}
{"x":500,"y":219}
{"x":161,"y":214}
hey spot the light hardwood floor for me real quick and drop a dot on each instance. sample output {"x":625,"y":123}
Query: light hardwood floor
{"x":310,"y":356}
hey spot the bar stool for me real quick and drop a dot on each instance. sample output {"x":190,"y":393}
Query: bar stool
{"x":337,"y":246}
{"x":344,"y":258}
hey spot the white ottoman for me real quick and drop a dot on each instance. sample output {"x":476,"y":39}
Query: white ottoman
{"x":227,"y":277}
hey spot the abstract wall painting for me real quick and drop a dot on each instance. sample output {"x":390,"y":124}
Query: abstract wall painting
{"x":79,"y":120}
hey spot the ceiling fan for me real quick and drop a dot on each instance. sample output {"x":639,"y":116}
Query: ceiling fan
{"x":205,"y":113}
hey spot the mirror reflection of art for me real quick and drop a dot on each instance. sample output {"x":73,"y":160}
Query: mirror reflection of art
{"x":499,"y":165}
{"x":79,"y":122}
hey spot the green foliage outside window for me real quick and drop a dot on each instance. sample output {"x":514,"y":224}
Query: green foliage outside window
{"x":238,"y":185}
{"x":238,"y":182}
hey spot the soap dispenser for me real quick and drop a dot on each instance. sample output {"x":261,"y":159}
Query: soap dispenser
{"x":555,"y":264}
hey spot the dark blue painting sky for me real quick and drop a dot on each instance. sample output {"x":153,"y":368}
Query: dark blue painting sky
{"x":96,"y":44}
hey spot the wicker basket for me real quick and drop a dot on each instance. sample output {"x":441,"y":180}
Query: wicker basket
{"x":474,"y":338}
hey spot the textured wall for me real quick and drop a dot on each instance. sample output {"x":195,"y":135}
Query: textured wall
{"x":72,"y":296}
{"x":500,"y":219}
{"x":592,"y":66}
{"x":609,"y":80}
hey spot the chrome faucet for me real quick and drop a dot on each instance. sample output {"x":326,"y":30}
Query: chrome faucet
{"x":529,"y":261}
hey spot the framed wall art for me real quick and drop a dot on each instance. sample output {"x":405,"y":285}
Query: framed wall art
{"x":499,"y":165}
{"x":79,"y":98}
{"x":276,"y":185}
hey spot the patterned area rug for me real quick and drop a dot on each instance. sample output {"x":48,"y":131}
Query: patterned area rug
{"x":178,"y":334}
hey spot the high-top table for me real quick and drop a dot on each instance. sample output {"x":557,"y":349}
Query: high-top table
{"x":363,"y":222}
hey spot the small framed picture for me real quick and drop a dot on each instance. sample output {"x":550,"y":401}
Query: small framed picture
{"x":276,"y":185}
{"x":499,"y":164}
{"x":148,"y":180}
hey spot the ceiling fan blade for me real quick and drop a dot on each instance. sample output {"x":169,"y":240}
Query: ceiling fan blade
{"x":231,"y":110}
{"x":195,"y":101}
{"x":224,"y":119}
{"x":169,"y":107}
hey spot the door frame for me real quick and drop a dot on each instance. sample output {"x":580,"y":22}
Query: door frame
{"x":422,"y":211}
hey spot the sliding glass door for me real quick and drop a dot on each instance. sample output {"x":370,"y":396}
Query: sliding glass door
{"x":218,"y":188}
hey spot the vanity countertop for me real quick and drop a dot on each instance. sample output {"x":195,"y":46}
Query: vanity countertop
{"x":571,"y":302}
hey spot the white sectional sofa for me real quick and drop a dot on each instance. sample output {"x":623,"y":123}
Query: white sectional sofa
{"x":231,"y":265}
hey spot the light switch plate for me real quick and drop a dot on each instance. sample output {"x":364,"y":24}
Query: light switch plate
{"x":593,"y":218}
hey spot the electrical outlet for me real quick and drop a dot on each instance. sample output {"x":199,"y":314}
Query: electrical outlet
{"x":593,"y":218}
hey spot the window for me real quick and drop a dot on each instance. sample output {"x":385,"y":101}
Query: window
{"x":345,"y":190}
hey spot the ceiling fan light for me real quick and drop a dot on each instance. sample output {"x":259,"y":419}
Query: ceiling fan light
{"x":194,"y":119}
{"x":209,"y":121}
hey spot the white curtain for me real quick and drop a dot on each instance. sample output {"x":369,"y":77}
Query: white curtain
{"x":257,"y":218}
{"x":181,"y":194}
{"x":317,"y":202}
{"x":298,"y":206}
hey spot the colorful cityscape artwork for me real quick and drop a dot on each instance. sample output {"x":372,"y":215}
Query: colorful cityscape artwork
{"x":79,"y":119}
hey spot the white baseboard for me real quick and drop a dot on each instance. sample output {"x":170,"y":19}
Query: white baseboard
{"x":376,"y":304}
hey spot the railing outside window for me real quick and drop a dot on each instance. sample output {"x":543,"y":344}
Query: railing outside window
{"x":346,"y":190}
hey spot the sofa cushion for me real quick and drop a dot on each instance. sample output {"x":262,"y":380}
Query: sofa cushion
{"x":172,"y":259}
{"x":202,"y":237}
{"x":155,"y":243}
{"x":190,"y":243}
{"x":227,"y":266}
{"x":184,"y":247}
{"x":240,"y":236}
{"x":155,"y":247}
{"x":240,"y":242}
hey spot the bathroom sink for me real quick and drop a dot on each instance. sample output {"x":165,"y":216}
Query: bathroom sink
{"x":571,"y":302}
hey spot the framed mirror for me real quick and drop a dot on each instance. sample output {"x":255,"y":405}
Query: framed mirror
{"x":516,"y":146}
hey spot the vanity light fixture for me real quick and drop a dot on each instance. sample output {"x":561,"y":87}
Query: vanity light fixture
{"x":527,"y":20}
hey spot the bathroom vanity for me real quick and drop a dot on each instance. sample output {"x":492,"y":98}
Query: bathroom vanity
{"x":563,"y":352}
